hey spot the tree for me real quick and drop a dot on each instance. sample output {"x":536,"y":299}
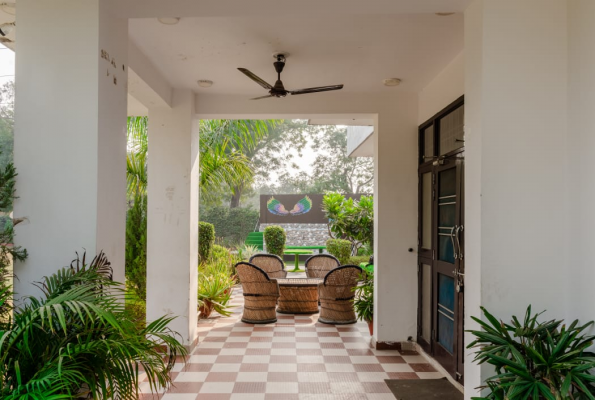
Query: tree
{"x":6,"y":123}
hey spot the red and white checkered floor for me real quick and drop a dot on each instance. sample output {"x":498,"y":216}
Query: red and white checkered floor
{"x":295,"y":358}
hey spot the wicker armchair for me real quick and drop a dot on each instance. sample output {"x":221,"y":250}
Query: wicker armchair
{"x":271,"y":264}
{"x":260,"y":294}
{"x":321,"y":264}
{"x":336,"y":295}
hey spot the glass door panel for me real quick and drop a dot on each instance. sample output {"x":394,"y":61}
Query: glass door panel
{"x":426,"y":214}
{"x":426,"y":302}
{"x":445,"y":329}
{"x":447,"y":214}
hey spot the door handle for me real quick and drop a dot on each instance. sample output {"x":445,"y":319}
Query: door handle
{"x":458,"y":238}
{"x":453,"y":231}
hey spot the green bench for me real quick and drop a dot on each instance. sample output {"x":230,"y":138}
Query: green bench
{"x":319,"y":248}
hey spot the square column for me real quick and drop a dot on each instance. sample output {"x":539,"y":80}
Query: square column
{"x":172,"y":210}
{"x":395,"y":227}
{"x":70,"y":135}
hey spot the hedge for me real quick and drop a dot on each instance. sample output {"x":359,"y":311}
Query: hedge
{"x":206,"y":240}
{"x":339,"y":248}
{"x":274,"y":239}
{"x":357,"y":260}
{"x":136,"y":247}
{"x":232,"y":225}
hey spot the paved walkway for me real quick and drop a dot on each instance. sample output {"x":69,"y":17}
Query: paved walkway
{"x":294,"y":359}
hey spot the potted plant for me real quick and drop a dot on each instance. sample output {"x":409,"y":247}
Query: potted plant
{"x":363,"y":301}
{"x":535,"y":360}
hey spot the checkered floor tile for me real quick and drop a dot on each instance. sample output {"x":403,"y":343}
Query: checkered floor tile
{"x":296,"y":358}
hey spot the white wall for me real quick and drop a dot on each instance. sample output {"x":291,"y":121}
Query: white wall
{"x":70,"y":136}
{"x":581,"y":157}
{"x":445,"y":88}
{"x":395,"y":186}
{"x":516,"y":124}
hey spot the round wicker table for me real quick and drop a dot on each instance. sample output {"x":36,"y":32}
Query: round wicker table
{"x":298,"y":296}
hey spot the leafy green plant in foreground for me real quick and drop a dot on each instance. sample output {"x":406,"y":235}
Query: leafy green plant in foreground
{"x":535,"y":360}
{"x":216,"y":279}
{"x":78,"y":341}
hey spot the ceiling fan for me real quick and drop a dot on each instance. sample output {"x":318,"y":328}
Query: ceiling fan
{"x":279,"y":90}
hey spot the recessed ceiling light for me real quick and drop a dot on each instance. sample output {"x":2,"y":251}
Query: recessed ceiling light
{"x":169,"y":20}
{"x":205,"y":83}
{"x":444,"y":14}
{"x":6,"y":28}
{"x":392,"y":82}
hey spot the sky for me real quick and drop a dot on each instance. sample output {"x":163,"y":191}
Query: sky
{"x":6,"y":64}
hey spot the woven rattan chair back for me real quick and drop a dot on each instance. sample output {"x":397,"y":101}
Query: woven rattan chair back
{"x":260,"y":294}
{"x":321,"y":264}
{"x":336,"y":295}
{"x":271,"y":264}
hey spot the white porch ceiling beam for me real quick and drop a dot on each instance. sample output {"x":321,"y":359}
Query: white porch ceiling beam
{"x":145,"y":83}
{"x":218,"y":8}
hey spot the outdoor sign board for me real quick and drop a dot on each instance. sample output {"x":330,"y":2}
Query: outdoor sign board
{"x":293,"y":208}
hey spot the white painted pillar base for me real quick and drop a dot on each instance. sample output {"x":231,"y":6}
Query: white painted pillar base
{"x":172,"y":240}
{"x":70,"y":136}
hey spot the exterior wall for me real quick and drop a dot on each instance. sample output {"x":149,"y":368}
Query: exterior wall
{"x":581,"y":158}
{"x":445,"y":88}
{"x":517,"y":204}
{"x":303,"y":234}
{"x":70,"y":136}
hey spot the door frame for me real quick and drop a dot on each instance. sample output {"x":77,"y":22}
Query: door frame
{"x":454,"y":363}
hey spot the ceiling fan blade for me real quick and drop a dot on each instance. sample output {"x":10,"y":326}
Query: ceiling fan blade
{"x":255,"y":78}
{"x":262,"y":97}
{"x":317,"y":89}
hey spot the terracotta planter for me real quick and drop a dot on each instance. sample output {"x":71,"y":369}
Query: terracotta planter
{"x":371,"y":326}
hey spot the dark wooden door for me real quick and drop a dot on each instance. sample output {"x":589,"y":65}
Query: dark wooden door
{"x":441,"y":267}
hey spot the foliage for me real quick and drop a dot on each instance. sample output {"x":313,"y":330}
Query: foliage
{"x":206,"y":240}
{"x":77,"y":340}
{"x":8,"y":252}
{"x":6,"y":124}
{"x":363,"y":302}
{"x":537,"y":360}
{"x":231,"y":225}
{"x":136,"y":156}
{"x":136,"y":247}
{"x":332,"y":168}
{"x":245,"y":251}
{"x":223,"y":148}
{"x":274,"y":239}
{"x":339,"y":248}
{"x":349,"y":219}
{"x":215,"y":283}
{"x":357,"y":260}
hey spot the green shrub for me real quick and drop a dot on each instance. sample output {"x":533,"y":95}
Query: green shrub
{"x":339,"y":248}
{"x":206,"y":240}
{"x":78,"y":338}
{"x":136,"y":248}
{"x":274,"y":239}
{"x":216,"y":278}
{"x":231,"y":224}
{"x":357,"y":260}
{"x":245,"y":251}
{"x":363,"y":303}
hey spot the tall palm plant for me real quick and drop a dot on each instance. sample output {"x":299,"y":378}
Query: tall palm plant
{"x":221,"y":151}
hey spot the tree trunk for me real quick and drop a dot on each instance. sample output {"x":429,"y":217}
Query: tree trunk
{"x":235,"y":198}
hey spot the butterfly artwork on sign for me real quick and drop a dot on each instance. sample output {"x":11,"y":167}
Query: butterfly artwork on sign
{"x":301,"y":207}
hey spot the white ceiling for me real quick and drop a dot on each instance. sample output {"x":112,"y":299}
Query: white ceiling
{"x":358,"y":51}
{"x":284,"y":8}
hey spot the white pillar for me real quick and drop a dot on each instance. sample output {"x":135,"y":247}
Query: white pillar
{"x":70,"y":135}
{"x":172,"y":241}
{"x":515,"y":140}
{"x":395,"y":228}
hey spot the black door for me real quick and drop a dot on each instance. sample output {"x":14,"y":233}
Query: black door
{"x":441,"y":239}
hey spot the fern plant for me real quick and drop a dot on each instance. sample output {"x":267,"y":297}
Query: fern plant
{"x":78,"y":341}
